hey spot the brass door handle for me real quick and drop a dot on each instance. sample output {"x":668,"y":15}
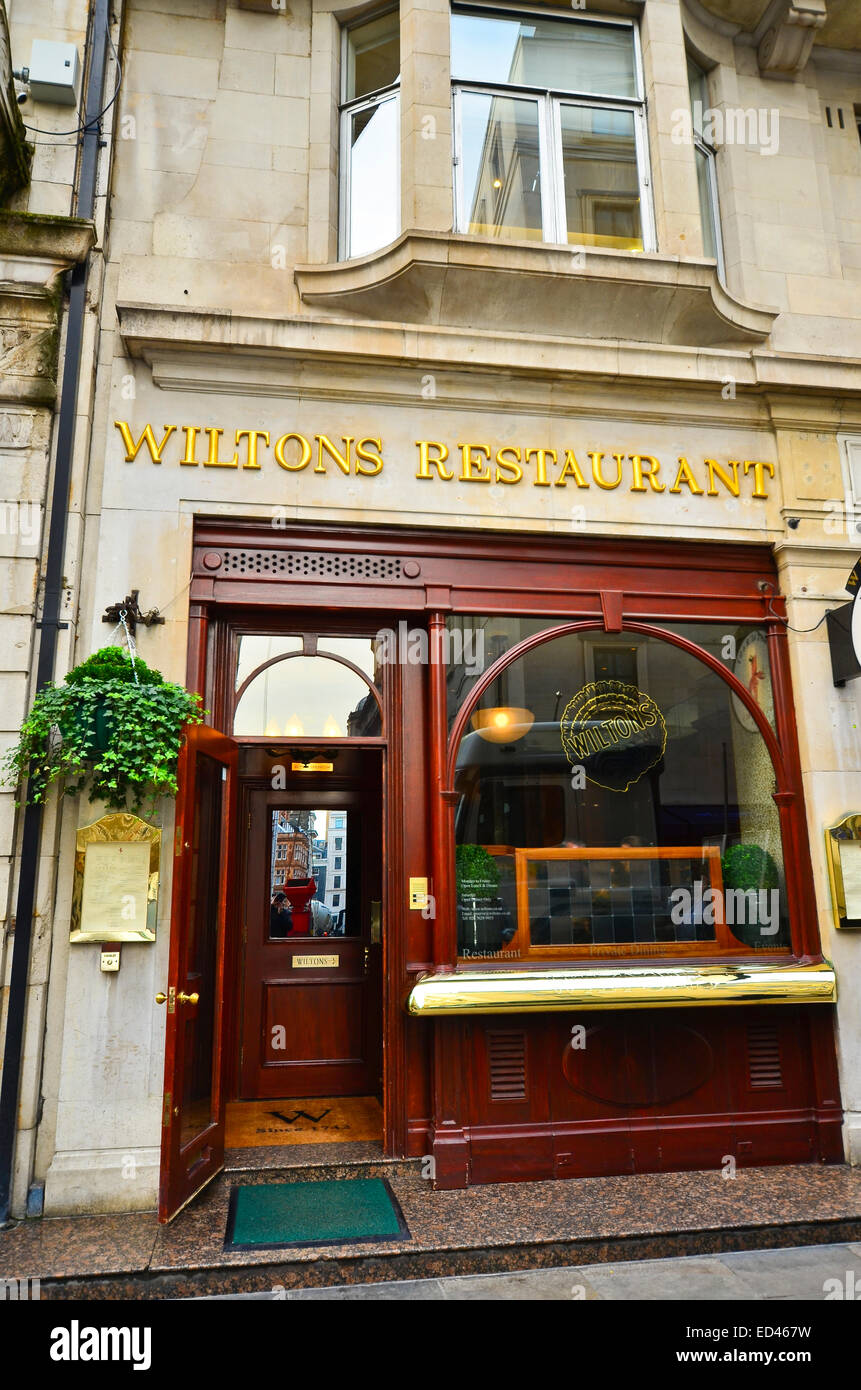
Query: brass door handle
{"x":161,"y":998}
{"x":187,"y":998}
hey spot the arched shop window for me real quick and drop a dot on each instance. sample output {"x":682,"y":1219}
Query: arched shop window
{"x":614,"y":793}
{"x":295,"y":687}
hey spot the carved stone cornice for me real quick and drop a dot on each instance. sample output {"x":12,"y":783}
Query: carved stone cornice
{"x":786,"y":34}
{"x":34,"y":252}
{"x":15,"y":154}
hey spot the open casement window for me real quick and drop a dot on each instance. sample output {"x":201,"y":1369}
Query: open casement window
{"x":370,"y":135}
{"x":615,"y":794}
{"x":550,"y":141}
{"x":706,"y":162}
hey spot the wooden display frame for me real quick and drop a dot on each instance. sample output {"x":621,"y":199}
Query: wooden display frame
{"x":724,"y":941}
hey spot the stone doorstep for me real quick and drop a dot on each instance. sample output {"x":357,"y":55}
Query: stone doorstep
{"x":187,"y":1258}
{"x":403,"y":1264}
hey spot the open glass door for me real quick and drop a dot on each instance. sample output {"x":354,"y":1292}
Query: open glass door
{"x":193,"y":1112}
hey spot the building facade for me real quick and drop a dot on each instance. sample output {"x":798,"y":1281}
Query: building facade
{"x":474,"y":390}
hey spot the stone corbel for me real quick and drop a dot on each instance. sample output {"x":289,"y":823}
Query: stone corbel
{"x":35,"y":250}
{"x":786,"y":35}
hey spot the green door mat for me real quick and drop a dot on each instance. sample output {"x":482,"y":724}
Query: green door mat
{"x":340,"y":1212}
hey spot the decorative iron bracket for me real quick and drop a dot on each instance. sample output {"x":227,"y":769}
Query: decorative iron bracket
{"x":133,"y":615}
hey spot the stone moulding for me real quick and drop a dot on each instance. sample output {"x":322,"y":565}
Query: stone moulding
{"x":219,"y":351}
{"x":473,"y":282}
{"x":34,"y":252}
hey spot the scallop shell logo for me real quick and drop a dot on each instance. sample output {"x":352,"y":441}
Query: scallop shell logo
{"x":615,"y":732}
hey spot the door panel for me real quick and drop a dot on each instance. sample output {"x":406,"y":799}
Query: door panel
{"x":311,"y":1010}
{"x":193,"y":1111}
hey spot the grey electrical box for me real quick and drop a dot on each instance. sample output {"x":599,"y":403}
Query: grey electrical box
{"x":54,"y":70}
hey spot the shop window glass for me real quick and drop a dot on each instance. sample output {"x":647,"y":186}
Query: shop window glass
{"x":615,"y":797}
{"x":475,"y":642}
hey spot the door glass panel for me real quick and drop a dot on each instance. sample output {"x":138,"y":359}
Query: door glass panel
{"x":602,"y":191}
{"x":501,"y":166}
{"x":311,"y":874}
{"x":614,"y":792}
{"x":375,"y":215}
{"x":201,"y":957}
{"x":546,"y":53}
{"x":312,"y":696}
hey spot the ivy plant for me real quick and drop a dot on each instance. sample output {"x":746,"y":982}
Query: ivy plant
{"x":114,"y":723}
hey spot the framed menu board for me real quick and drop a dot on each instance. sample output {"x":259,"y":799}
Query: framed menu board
{"x":115,"y":895}
{"x":843,"y":847}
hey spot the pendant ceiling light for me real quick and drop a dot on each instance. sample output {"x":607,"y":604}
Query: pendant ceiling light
{"x":503,"y":723}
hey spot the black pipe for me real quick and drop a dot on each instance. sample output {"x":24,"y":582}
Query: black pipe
{"x":53,"y":598}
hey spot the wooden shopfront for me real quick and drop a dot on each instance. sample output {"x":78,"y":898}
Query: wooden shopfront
{"x":578,"y":930}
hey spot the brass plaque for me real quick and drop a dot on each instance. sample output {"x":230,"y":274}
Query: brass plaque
{"x":115,"y":894}
{"x":418,"y":893}
{"x":312,"y":767}
{"x":316,"y":962}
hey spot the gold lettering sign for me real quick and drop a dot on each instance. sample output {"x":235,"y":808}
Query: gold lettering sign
{"x":615,"y":732}
{"x":316,"y":962}
{"x":437,"y":461}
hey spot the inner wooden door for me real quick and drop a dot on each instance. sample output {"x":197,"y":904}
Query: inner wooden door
{"x":311,"y":1016}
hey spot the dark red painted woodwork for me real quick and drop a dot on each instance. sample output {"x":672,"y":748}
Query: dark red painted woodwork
{"x":663,"y":1089}
{"x":193,"y":1108}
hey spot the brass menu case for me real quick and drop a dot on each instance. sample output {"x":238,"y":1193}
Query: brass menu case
{"x":115,"y":896}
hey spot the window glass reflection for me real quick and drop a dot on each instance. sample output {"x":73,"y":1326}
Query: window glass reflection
{"x":373,"y":56}
{"x":551,"y":54}
{"x":312,"y":696}
{"x":602,"y":193}
{"x":374,"y":153}
{"x":309,"y":892}
{"x":501,"y":166}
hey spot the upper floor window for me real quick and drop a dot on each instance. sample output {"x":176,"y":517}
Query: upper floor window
{"x":550,"y":140}
{"x":370,"y":135}
{"x":704,"y":154}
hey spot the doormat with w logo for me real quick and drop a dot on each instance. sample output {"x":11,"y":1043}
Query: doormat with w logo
{"x":343,"y":1211}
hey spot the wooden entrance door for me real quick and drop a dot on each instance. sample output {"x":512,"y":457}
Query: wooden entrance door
{"x":193,"y":1109}
{"x":311,"y":1019}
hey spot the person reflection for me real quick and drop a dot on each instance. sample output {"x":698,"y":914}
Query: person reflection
{"x":280,"y":917}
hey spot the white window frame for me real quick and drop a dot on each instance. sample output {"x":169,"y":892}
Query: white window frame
{"x":714,"y":201}
{"x":550,"y":102}
{"x":347,"y":110}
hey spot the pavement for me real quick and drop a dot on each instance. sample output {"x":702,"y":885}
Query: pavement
{"x":812,"y":1273}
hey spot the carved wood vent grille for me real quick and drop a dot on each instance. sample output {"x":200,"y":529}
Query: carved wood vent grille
{"x":763,"y":1057}
{"x":506,"y":1062}
{"x":312,"y":564}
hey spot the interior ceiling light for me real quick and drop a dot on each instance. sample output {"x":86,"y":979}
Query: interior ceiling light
{"x":503,"y":723}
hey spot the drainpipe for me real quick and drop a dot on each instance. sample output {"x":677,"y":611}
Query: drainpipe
{"x":50,"y":624}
